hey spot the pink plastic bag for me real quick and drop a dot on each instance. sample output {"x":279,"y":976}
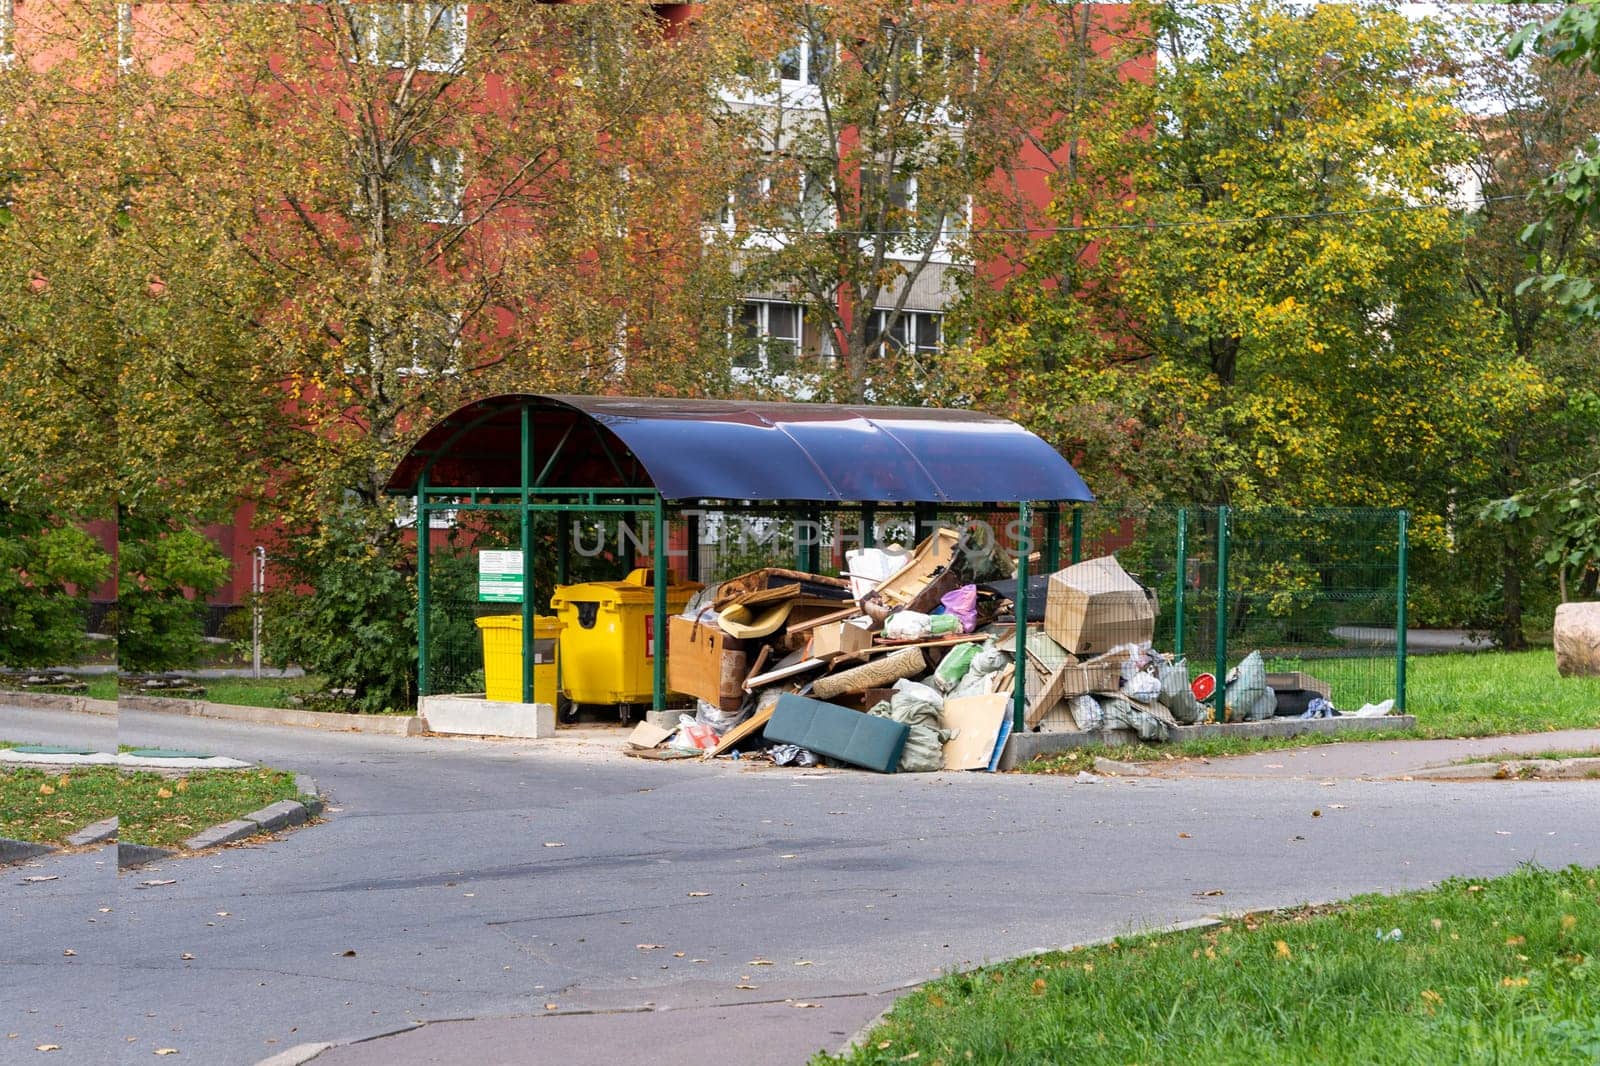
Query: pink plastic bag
{"x":963,"y":603}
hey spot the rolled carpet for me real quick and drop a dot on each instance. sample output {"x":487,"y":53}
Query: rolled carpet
{"x":880,"y":673}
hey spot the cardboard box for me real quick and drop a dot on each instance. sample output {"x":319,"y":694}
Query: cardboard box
{"x":1084,"y":678}
{"x":841,"y":638}
{"x":705,"y":662}
{"x":1296,"y":680}
{"x":1095,"y":605}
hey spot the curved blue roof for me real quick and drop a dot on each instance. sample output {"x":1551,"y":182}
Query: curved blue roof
{"x":745,"y":450}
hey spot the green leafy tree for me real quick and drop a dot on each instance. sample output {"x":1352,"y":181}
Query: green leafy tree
{"x":360,"y":215}
{"x":47,"y":570}
{"x":1256,"y":293}
{"x":165,"y":571}
{"x":1560,"y":506}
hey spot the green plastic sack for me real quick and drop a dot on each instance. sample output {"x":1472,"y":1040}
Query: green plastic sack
{"x":954,"y":667}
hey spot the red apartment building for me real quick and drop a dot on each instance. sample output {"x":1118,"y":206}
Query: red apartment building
{"x":778,"y":325}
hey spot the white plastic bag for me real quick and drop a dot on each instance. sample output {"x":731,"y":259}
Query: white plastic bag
{"x":1142,"y":686}
{"x":1085,"y":711}
{"x":908,"y":625}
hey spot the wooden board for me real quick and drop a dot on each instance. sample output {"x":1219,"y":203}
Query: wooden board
{"x":978,"y":719}
{"x":904,"y":584}
{"x":837,"y":616}
{"x":1049,"y":696}
{"x":744,"y":729}
{"x":782,"y":672}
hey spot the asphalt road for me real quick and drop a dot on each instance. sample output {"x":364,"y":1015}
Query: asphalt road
{"x":435,"y":890}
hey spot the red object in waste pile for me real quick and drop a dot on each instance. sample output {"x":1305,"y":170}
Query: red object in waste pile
{"x":1203,"y":686}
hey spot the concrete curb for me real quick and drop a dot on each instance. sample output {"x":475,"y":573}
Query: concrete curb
{"x":21,"y":850}
{"x":56,"y":701}
{"x":381,"y":724}
{"x":858,"y":1038}
{"x":1576,"y":769}
{"x":280,"y":815}
{"x":132,"y":855}
{"x":96,"y":833}
{"x":1022,"y":747}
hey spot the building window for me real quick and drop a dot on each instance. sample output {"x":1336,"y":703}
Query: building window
{"x":427,"y":36}
{"x":432,"y":184}
{"x":808,"y":60}
{"x":917,"y":333}
{"x":774,"y":336}
{"x":797,"y":197}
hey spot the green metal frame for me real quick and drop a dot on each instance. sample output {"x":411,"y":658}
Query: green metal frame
{"x":533,"y":495}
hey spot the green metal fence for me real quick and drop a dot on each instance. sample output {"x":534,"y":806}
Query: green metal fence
{"x":1315,"y":590}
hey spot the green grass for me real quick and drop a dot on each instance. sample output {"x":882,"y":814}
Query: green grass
{"x":1503,"y":971}
{"x":49,"y":807}
{"x":238,"y":691}
{"x":1492,"y":693}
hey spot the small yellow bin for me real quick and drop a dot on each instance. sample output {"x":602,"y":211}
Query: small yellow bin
{"x":608,"y":637}
{"x":502,"y":657}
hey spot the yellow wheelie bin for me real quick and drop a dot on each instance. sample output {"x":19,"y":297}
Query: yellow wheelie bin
{"x":502,"y":657}
{"x":608,"y":638}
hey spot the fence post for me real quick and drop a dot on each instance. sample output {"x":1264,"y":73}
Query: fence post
{"x":1077,"y":533}
{"x":1019,"y":681}
{"x":1052,"y":538}
{"x":661,"y":576}
{"x":421,"y":526}
{"x":1400,"y":616}
{"x":527,"y":555}
{"x":1220,"y":704}
{"x":1180,"y":592}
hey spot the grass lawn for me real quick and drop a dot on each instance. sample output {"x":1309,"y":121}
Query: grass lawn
{"x":1491,"y":693}
{"x":49,"y":807}
{"x":239,"y":691}
{"x":1503,"y":971}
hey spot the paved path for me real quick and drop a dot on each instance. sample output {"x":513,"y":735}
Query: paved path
{"x":430,"y":894}
{"x":1377,"y":759}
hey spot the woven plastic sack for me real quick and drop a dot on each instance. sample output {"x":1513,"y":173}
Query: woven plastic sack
{"x":1249,"y":698}
{"x":1176,"y":695}
{"x":954,"y":667}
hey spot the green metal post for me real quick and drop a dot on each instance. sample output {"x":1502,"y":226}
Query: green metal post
{"x":1052,"y":538}
{"x":869,"y":521}
{"x":527,"y":557}
{"x":563,"y":547}
{"x":422,"y":586}
{"x":1181,"y":586}
{"x":1077,"y":534}
{"x":812,"y":553}
{"x":1019,"y":682}
{"x":691,"y":548}
{"x":660,"y":577}
{"x":1400,"y":617}
{"x":1220,"y":708}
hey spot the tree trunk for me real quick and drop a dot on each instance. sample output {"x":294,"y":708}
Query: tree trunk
{"x":1511,"y":605}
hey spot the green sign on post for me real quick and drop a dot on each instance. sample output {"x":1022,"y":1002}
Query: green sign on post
{"x":500,"y":577}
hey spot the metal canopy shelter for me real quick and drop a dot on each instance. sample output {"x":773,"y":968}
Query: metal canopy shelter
{"x":586,"y":454}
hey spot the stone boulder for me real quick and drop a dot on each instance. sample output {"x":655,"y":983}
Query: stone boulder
{"x":1577,"y":639}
